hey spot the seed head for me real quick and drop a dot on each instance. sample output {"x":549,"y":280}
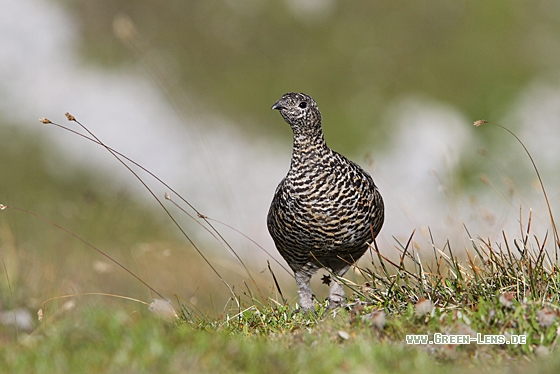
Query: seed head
{"x":480,"y":122}
{"x":484,"y":179}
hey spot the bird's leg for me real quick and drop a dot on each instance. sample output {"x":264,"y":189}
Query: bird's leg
{"x":336,"y":296}
{"x":303,"y":280}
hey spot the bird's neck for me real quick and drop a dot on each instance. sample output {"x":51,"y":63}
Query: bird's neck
{"x":308,"y":146}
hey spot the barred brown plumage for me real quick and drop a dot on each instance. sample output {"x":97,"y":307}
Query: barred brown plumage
{"x":324,"y":210}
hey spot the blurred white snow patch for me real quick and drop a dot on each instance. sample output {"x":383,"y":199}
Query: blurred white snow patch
{"x":538,"y":110}
{"x":415,"y":174}
{"x":20,"y":317}
{"x":204,"y":157}
{"x":163,"y":309}
{"x":535,"y":118}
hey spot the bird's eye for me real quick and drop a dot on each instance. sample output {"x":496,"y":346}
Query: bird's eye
{"x":303,"y":105}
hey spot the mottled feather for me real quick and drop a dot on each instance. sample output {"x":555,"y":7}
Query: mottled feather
{"x":324,"y":210}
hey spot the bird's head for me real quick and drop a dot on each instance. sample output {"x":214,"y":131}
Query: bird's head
{"x":300,"y":111}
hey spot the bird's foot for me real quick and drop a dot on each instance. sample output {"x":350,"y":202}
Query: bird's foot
{"x":335,"y":301}
{"x":306,"y":304}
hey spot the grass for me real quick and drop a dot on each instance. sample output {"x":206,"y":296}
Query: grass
{"x":509,"y":287}
{"x":497,"y":294}
{"x":276,"y":340}
{"x":115,"y":342}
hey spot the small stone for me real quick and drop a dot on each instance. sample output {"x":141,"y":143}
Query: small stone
{"x":378,"y":319}
{"x":546,"y":317}
{"x":343,"y":335}
{"x":164,"y":309}
{"x":506,"y":299}
{"x":542,"y":351}
{"x":423,"y":306}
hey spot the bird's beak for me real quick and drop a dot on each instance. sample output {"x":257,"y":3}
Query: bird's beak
{"x":278,"y":106}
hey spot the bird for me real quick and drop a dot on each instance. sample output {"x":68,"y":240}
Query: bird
{"x":327,"y":210}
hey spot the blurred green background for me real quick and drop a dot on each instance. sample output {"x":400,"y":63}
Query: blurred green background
{"x":233,"y":60}
{"x":354,"y":57}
